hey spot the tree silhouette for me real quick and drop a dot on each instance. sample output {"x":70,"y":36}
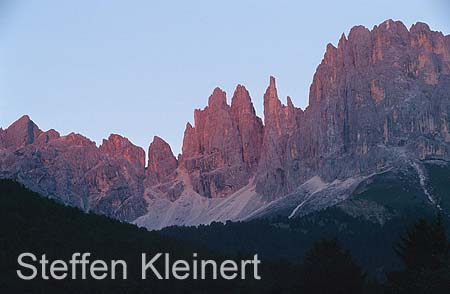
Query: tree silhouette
{"x":328,"y":269}
{"x":425,"y":254}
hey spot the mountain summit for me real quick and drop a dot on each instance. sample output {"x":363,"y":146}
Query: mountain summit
{"x":379,"y":102}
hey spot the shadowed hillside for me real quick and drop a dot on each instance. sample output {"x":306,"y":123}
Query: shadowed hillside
{"x":30,"y":223}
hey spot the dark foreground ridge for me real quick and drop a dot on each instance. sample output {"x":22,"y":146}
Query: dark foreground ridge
{"x":30,"y":223}
{"x":34,"y":224}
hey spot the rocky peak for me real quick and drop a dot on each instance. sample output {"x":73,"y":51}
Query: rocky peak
{"x":213,"y":152}
{"x":363,"y":84}
{"x":271,"y":91}
{"x":342,"y":41}
{"x":290,"y":104}
{"x":161,"y":161}
{"x":420,"y":27}
{"x":47,"y":136}
{"x":377,"y":94}
{"x":389,"y":48}
{"x":75,"y":139}
{"x":274,"y":115}
{"x":20,"y":133}
{"x":218,"y":99}
{"x":279,"y":119}
{"x":389,"y":25}
{"x":241,"y":102}
{"x":357,"y":102}
{"x":190,"y":142}
{"x":215,"y":129}
{"x":279,"y":149}
{"x":431,"y":54}
{"x":290,"y":108}
{"x":210,"y":122}
{"x":118,"y":147}
{"x":249,"y":125}
{"x":294,"y":116}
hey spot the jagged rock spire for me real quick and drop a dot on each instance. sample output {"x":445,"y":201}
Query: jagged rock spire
{"x":161,"y":161}
{"x":249,"y":125}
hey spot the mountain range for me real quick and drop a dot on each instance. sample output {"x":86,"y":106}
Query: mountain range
{"x":378,"y":115}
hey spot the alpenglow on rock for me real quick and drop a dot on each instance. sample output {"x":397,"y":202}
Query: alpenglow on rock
{"x":161,"y":162}
{"x":119,"y":147}
{"x":223,"y":147}
{"x":379,"y":100}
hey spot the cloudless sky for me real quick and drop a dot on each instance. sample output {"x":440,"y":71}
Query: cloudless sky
{"x":139,"y":68}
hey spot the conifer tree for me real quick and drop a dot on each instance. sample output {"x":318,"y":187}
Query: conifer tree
{"x":425,"y":254}
{"x":328,"y":269}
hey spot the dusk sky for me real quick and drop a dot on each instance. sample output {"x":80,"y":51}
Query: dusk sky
{"x":140,"y":68}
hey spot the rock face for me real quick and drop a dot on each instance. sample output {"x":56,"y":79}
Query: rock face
{"x":74,"y":171}
{"x":161,"y":162}
{"x":378,"y":92}
{"x":161,"y":179}
{"x":378,"y":100}
{"x":279,"y":146}
{"x":21,"y":133}
{"x":250,"y":127}
{"x":224,"y":145}
{"x":118,"y":147}
{"x":382,"y":87}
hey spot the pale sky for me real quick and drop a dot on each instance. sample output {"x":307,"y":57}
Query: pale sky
{"x":139,"y":68}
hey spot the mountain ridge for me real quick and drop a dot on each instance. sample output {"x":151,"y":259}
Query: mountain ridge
{"x":378,"y":100}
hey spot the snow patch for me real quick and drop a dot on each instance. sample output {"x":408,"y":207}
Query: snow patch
{"x":422,"y":179}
